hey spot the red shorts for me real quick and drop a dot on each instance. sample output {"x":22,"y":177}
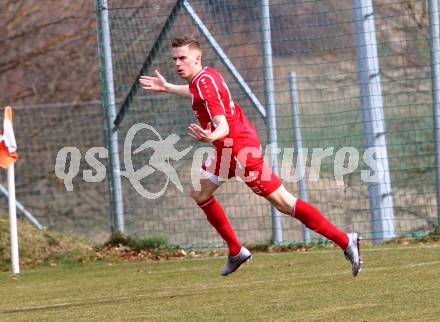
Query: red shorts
{"x":246,"y":165}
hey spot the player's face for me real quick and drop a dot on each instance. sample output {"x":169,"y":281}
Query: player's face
{"x":186,"y":61}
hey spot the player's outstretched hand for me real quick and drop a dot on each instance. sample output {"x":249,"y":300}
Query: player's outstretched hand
{"x":154,"y":83}
{"x":200,"y":134}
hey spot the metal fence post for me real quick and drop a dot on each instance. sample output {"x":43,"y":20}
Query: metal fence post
{"x":110,"y":115}
{"x":271,"y":121}
{"x":27,"y":214}
{"x":434,"y":42}
{"x":302,"y":185}
{"x":380,"y":193}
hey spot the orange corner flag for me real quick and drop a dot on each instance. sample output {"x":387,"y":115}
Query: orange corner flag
{"x":8,"y":146}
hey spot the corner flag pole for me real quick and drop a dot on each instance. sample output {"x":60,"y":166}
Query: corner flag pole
{"x":13,"y":220}
{"x":8,"y":155}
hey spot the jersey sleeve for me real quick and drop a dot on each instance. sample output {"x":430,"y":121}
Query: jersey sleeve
{"x":210,"y":94}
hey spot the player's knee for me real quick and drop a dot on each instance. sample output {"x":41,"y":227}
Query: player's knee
{"x":279,"y":204}
{"x":283,"y":207}
{"x":199,"y":196}
{"x":282,"y":200}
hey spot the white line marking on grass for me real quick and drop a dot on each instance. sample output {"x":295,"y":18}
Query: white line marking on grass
{"x":184,"y":290}
{"x":336,"y":250}
{"x":213,"y":258}
{"x":382,"y":268}
{"x":154,"y":296}
{"x":363,"y":250}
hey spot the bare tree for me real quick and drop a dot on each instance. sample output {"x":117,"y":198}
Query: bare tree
{"x":47,"y":52}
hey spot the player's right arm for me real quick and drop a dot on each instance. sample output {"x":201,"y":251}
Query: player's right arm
{"x":159,"y":84}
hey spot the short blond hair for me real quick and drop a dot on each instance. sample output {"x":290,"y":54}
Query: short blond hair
{"x":189,"y":41}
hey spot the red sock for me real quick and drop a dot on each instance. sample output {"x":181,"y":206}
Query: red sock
{"x":313,"y":220}
{"x":217,"y":218}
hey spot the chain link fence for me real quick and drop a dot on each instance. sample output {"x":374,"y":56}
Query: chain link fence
{"x":315,"y":44}
{"x":41,"y":133}
{"x":317,"y":41}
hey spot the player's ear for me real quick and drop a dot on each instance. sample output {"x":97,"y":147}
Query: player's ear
{"x":198,"y":57}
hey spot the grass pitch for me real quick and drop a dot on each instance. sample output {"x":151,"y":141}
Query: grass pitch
{"x":397,"y":283}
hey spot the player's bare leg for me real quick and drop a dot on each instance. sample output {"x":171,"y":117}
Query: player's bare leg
{"x":207,"y":189}
{"x":218,"y":219}
{"x":313,"y":219}
{"x":283,"y":200}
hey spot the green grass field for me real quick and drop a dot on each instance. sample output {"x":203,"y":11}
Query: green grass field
{"x":398,"y":283}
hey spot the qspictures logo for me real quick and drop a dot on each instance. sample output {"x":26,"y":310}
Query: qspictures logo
{"x":163,"y":150}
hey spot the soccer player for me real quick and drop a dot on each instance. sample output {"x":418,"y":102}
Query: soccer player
{"x":223,"y":123}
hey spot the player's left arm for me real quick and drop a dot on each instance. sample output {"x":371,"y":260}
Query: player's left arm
{"x":207,"y":135}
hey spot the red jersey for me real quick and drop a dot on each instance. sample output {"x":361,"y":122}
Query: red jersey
{"x":211,"y":97}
